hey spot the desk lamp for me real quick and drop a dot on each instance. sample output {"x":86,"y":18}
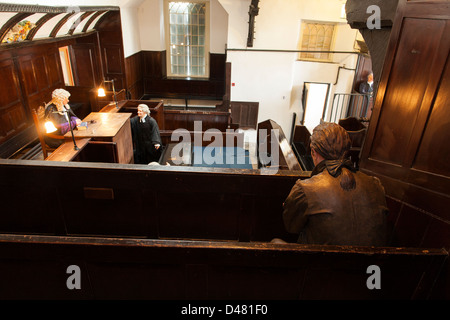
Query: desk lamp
{"x":50,"y":127}
{"x":101,"y":92}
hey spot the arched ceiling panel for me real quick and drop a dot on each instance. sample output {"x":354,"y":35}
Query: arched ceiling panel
{"x":48,"y":21}
{"x":13,"y":29}
{"x":20,"y":30}
{"x":90,"y":22}
{"x":71,"y":20}
{"x":78,"y":25}
{"x":5,"y":16}
{"x":44,"y":30}
{"x":94,"y":22}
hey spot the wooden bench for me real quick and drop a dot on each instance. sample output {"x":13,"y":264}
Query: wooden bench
{"x":300,"y":145}
{"x":37,"y":267}
{"x":175,"y":119}
{"x":169,"y":120}
{"x":130,"y":106}
{"x":67,"y":152}
{"x":274,"y":138}
{"x":157,"y":202}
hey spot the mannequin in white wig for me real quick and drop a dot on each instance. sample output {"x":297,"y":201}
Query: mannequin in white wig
{"x":58,"y":111}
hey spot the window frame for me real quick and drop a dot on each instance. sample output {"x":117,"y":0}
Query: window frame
{"x":167,"y":40}
{"x":301,"y":56}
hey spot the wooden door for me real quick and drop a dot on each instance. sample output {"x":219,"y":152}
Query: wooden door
{"x":407,"y":144}
{"x":85,"y":65}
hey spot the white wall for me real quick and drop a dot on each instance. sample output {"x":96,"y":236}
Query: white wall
{"x":151,"y":25}
{"x":130,"y":30}
{"x":275,"y":79}
{"x":143,"y":26}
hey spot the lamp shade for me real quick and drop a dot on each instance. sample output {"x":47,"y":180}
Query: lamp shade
{"x":101,"y":92}
{"x":50,"y":127}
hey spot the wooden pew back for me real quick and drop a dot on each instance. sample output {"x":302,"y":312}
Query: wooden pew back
{"x":143,"y":201}
{"x":271,"y":136}
{"x":186,"y":119}
{"x":37,"y":267}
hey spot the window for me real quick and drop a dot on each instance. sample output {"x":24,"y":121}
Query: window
{"x":66,"y":66}
{"x":187,"y":38}
{"x":316,"y":36}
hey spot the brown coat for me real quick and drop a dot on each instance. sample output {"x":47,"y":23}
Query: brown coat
{"x":324,"y":213}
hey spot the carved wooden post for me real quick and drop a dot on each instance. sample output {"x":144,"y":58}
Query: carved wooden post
{"x":252,"y":13}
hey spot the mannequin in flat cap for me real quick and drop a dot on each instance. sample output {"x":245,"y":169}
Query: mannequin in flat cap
{"x":338,"y":205}
{"x":146,"y":137}
{"x":58,"y":111}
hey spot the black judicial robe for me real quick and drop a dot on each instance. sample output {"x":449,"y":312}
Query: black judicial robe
{"x":60,"y":122}
{"x":145,"y":135}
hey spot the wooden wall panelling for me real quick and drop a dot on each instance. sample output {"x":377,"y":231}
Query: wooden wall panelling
{"x":35,"y":69}
{"x":409,"y":93}
{"x":53,"y":67}
{"x":417,"y":49}
{"x":113,"y":58}
{"x":217,"y":66}
{"x":12,"y":111}
{"x":411,"y":155}
{"x":112,"y":55}
{"x":40,"y":73}
{"x":180,"y":119}
{"x":157,"y":85}
{"x":134,"y":69}
{"x":245,"y":113}
{"x":84,"y":62}
{"x":28,"y":75}
{"x":154,"y":64}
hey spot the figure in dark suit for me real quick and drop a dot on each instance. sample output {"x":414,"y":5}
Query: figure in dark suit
{"x":146,"y":137}
{"x":367,"y":86}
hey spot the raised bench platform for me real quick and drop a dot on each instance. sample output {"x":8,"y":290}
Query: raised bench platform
{"x":36,"y":267}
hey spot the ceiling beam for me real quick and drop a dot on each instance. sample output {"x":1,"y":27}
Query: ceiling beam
{"x":39,"y":24}
{"x":8,"y":7}
{"x":91,"y":19}
{"x":78,"y":21}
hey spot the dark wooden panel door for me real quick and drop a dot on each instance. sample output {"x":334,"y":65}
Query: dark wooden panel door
{"x":84,"y":64}
{"x":407,"y":94}
{"x":40,"y":72}
{"x":407,"y":144}
{"x":114,"y":64}
{"x":416,"y":61}
{"x":245,"y":113}
{"x":12,"y":111}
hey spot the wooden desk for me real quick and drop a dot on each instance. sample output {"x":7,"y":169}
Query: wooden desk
{"x":66,"y":152}
{"x":111,"y":127}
